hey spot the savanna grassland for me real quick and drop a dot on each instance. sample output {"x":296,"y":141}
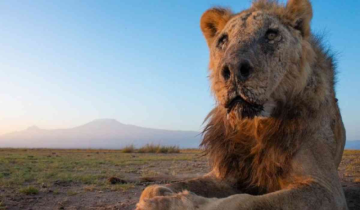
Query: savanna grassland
{"x":111,"y":179}
{"x":89,"y":179}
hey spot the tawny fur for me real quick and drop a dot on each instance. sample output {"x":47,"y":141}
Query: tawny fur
{"x":285,"y":157}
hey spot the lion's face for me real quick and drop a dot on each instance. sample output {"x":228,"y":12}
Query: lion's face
{"x":250,"y":55}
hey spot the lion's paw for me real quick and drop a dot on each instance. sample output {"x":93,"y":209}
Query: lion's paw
{"x":179,"y":201}
{"x":154,"y":191}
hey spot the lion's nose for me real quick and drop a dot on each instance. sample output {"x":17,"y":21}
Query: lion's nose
{"x":226,"y":73}
{"x":242,"y":70}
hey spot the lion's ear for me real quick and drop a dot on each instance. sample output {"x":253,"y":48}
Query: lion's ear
{"x":213,"y":21}
{"x":299,"y":12}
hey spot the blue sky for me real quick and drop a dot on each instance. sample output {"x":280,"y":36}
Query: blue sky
{"x":64,"y":63}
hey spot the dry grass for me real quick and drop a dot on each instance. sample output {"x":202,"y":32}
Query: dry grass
{"x":350,"y":165}
{"x":89,"y":188}
{"x":26,"y":171}
{"x":2,"y":206}
{"x":122,"y":187}
{"x":91,"y":168}
{"x":82,"y":173}
{"x":71,"y":193}
{"x":128,"y":149}
{"x":30,"y":190}
{"x":151,"y":148}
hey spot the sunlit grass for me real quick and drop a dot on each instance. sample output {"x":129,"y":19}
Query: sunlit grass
{"x":42,"y":167}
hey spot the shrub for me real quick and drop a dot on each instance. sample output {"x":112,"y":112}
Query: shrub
{"x":151,"y":148}
{"x":128,"y":149}
{"x":173,"y":149}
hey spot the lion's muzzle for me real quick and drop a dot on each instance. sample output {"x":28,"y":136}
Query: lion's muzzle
{"x":241,"y":107}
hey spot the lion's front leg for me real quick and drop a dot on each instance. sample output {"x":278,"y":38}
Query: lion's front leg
{"x":179,"y":201}
{"x":206,"y":186}
{"x":312,"y":196}
{"x":309,"y":196}
{"x":186,"y":194}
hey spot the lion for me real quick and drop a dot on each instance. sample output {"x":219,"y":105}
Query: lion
{"x":276,"y":137}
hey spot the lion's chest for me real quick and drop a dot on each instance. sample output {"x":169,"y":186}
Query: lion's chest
{"x":258,"y":168}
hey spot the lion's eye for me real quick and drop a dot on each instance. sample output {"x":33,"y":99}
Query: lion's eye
{"x":271,"y":34}
{"x":222,"y":41}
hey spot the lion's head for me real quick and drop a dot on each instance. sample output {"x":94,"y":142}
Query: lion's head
{"x":258,"y":57}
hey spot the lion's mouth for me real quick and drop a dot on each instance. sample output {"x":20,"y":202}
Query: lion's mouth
{"x":233,"y":102}
{"x":245,"y":108}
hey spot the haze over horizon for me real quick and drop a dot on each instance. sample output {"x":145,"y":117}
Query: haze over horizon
{"x":106,"y":134}
{"x":92,"y":121}
{"x":67,"y":63}
{"x":32,"y":127}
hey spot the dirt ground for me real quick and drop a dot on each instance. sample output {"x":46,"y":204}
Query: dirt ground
{"x":100,"y":195}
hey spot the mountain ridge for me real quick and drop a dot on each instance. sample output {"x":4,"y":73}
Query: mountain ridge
{"x":99,"y":133}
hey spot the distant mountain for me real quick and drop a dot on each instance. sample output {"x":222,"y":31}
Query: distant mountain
{"x":352,"y":145}
{"x":102,"y":133}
